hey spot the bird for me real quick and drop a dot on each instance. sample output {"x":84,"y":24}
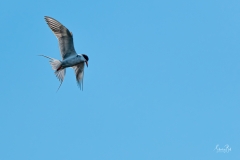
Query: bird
{"x":69,"y":56}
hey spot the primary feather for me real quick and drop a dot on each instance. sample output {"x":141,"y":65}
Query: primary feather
{"x":79,"y":71}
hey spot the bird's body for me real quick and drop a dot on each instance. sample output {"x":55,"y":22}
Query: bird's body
{"x":72,"y":61}
{"x":69,"y":56}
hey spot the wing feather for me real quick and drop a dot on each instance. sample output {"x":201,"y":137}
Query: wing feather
{"x":65,"y":38}
{"x":79,"y":71}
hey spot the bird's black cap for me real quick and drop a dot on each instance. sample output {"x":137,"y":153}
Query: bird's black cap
{"x":85,"y":56}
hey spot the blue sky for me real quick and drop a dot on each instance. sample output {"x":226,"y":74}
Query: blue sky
{"x":163,"y":80}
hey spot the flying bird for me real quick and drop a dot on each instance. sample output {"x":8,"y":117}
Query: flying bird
{"x":69,"y":56}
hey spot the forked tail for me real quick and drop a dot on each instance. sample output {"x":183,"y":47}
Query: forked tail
{"x":57,"y":67}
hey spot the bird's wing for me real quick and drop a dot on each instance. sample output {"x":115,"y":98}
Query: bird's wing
{"x":64,"y":36}
{"x":79,"y":71}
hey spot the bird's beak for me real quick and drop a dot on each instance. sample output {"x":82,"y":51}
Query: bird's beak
{"x":86,"y":63}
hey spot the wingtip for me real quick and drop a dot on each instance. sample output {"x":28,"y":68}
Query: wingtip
{"x":47,"y":18}
{"x":80,"y":86}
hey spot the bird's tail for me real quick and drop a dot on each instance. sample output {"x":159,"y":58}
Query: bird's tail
{"x":57,"y":67}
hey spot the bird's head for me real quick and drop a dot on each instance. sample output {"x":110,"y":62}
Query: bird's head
{"x":86,"y":59}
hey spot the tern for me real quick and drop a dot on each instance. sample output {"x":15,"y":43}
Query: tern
{"x":69,"y":56}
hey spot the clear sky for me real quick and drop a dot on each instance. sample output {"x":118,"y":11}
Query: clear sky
{"x":163,"y":80}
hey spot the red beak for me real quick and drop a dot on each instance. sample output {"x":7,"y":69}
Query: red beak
{"x":86,"y":63}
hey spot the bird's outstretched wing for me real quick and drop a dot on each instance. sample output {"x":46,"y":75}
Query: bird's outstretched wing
{"x":79,"y":71}
{"x":64,"y":36}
